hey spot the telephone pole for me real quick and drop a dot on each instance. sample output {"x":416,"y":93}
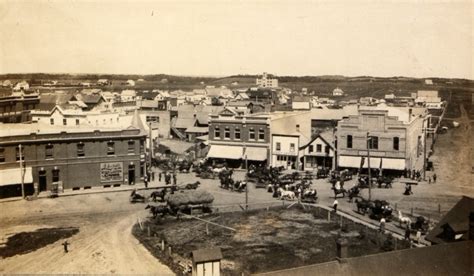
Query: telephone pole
{"x":368,"y":165}
{"x":22,"y":172}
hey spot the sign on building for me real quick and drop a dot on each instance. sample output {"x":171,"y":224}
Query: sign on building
{"x":110,"y":172}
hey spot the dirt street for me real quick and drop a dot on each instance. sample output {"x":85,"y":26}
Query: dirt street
{"x":104,"y":243}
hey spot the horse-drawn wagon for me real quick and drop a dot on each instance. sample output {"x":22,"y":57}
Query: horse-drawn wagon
{"x":184,"y":201}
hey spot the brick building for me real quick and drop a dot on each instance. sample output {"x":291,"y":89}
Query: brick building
{"x":16,"y":107}
{"x":396,"y":139}
{"x":78,"y":157}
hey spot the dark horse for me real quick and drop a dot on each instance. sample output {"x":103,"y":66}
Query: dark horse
{"x":158,"y":194}
{"x":158,"y":210}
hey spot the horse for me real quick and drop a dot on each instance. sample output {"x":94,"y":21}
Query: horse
{"x":363,"y":205}
{"x":136,"y":197}
{"x":160,"y":194}
{"x":192,"y":186}
{"x":353,"y":192}
{"x":339,"y":191}
{"x":240,"y":186}
{"x":309,"y":195}
{"x":286,"y":194}
{"x":218,"y":170}
{"x":403,"y":220}
{"x":156,"y":210}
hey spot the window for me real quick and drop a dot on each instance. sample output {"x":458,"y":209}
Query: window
{"x":131,"y":146}
{"x":80,"y":149}
{"x":252,"y":134}
{"x":2,"y":155}
{"x":18,"y":157}
{"x":51,"y":121}
{"x":217,"y":133}
{"x":227,"y":133}
{"x":319,"y":148}
{"x":154,"y":119}
{"x":110,"y":148}
{"x":396,"y":143}
{"x":292,"y":147}
{"x":49,"y":151}
{"x":373,"y":142}
{"x":237,"y":133}
{"x":349,"y":141}
{"x":64,"y":122}
{"x":326,"y":149}
{"x":55,"y":175}
{"x":261,"y":134}
{"x":278,"y":146}
{"x":311,"y":148}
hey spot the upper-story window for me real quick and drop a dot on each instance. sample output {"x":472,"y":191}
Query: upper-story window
{"x":278,"y":146}
{"x":396,"y":143}
{"x":51,"y":121}
{"x":326,"y":149}
{"x":131,"y":146}
{"x":261,"y":134}
{"x":251,"y":134}
{"x":319,"y":148}
{"x":237,"y":133}
{"x":226,"y":133}
{"x":110,"y":148}
{"x":311,"y":148}
{"x":77,"y":122}
{"x":292,"y":147}
{"x":49,"y":151}
{"x":2,"y":155}
{"x":80,"y":149}
{"x":217,"y":133}
{"x":349,"y":141}
{"x":64,"y":122}
{"x":373,"y":142}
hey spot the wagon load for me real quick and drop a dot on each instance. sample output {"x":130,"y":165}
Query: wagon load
{"x":190,"y":197}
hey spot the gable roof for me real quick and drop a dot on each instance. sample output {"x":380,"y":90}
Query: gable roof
{"x":457,"y":218}
{"x":49,"y":101}
{"x":327,"y":137}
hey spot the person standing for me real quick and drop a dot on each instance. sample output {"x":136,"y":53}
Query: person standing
{"x":334,"y":205}
{"x":152,"y":176}
{"x":418,"y":236}
{"x":65,"y":244}
{"x":434,"y":178}
{"x":407,"y":233}
{"x":382,"y":225}
{"x":174,"y":179}
{"x":429,"y":180}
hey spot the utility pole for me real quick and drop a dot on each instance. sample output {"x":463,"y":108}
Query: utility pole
{"x":425,"y":131}
{"x":21,"y":172}
{"x":368,"y":165}
{"x":246,"y":185}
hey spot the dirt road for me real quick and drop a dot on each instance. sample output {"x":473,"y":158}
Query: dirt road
{"x":103,"y":245}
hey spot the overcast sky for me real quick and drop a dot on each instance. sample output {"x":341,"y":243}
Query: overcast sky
{"x":352,"y":38}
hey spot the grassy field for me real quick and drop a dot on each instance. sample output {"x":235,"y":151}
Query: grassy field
{"x":266,"y":240}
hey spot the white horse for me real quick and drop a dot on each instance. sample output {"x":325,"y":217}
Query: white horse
{"x":219,"y":170}
{"x":403,"y":220}
{"x":286,"y":194}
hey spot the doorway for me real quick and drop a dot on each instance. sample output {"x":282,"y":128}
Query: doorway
{"x":131,"y":174}
{"x":42,"y":181}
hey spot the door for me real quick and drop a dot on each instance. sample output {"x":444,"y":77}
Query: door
{"x":131,"y":174}
{"x":42,"y":181}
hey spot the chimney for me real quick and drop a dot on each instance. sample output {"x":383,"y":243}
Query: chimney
{"x":298,"y":128}
{"x":342,"y":246}
{"x":410,"y":113}
{"x":471,"y":226}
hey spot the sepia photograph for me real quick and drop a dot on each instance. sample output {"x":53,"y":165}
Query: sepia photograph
{"x":260,"y":137}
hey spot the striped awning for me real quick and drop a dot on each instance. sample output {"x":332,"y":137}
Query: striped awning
{"x":225,"y":152}
{"x":13,"y":176}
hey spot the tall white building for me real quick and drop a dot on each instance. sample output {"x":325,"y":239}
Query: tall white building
{"x":265,"y":81}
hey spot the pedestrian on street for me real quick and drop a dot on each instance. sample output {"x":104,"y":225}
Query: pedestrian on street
{"x":429,"y":180}
{"x":145,"y":180}
{"x":159,"y":177}
{"x":65,"y":244}
{"x":418,"y":236}
{"x":434,"y":178}
{"x":407,"y":233}
{"x":174,"y":179}
{"x":382,"y":225}
{"x":334,"y":205}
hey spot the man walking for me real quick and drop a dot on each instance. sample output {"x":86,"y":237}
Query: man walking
{"x":334,"y":205}
{"x":382,"y":225}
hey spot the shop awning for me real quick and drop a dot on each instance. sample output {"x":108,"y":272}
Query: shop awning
{"x":13,"y":176}
{"x":393,"y":164}
{"x":255,"y":154}
{"x":226,"y":152}
{"x":354,"y":162}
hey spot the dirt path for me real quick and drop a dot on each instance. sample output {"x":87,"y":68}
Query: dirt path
{"x":104,"y":244}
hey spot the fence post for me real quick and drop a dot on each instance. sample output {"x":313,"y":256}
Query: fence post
{"x":207,"y":229}
{"x":439,"y":208}
{"x":162,"y":245}
{"x":169,"y":250}
{"x":148,"y":230}
{"x":329,"y":215}
{"x":341,"y":221}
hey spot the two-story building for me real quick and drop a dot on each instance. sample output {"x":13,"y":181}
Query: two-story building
{"x":16,"y":107}
{"x":77,"y":157}
{"x":394,"y":137}
{"x":319,"y":152}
